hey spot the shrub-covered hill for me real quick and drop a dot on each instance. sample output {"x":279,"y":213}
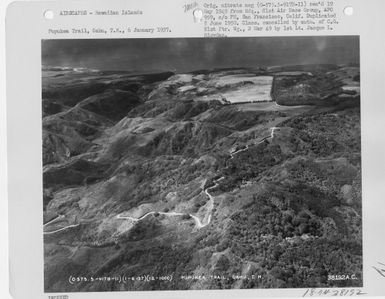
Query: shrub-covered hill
{"x":158,"y":175}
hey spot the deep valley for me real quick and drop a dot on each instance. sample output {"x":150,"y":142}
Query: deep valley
{"x":252,"y":172}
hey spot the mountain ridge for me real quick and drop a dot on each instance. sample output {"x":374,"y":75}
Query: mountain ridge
{"x":271,"y":179}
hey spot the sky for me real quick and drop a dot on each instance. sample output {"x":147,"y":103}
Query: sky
{"x":188,"y":54}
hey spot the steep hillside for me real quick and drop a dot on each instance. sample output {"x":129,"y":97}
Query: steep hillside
{"x":180,"y":175}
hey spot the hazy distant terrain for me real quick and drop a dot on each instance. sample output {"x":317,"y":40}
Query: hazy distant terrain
{"x":253,"y":172}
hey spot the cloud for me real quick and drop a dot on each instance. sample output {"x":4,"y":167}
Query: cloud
{"x":187,"y":54}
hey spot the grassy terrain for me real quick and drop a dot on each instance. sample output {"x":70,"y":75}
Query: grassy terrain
{"x":277,"y":184}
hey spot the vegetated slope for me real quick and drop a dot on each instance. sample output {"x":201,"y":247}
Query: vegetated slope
{"x":316,"y":88}
{"x":277,"y":191}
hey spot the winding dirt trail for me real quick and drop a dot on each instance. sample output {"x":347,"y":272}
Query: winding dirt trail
{"x":61,"y":229}
{"x":60,"y":217}
{"x":271,"y":136}
{"x":272,"y":132}
{"x":198,"y":222}
{"x":54,"y":220}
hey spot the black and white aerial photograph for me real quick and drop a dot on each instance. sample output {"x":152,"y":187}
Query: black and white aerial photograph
{"x":201,"y":163}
